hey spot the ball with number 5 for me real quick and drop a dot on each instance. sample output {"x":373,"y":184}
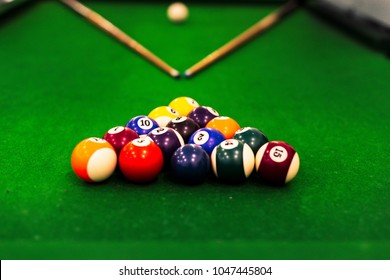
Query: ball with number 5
{"x":207,"y":138}
{"x":277,"y":163}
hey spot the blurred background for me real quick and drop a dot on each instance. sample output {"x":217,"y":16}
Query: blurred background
{"x":368,"y":20}
{"x":378,"y":10}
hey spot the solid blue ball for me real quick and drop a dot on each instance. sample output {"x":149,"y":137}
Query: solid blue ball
{"x":207,"y":138}
{"x":190,"y":164}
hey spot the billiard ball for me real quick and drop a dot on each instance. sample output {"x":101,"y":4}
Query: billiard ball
{"x":232,"y":161}
{"x":141,"y":160}
{"x":177,"y":12}
{"x":183,"y":105}
{"x":168,"y":139}
{"x":119,"y":136}
{"x":93,"y":160}
{"x":207,"y":138}
{"x":185,"y":126}
{"x":190,"y":164}
{"x":226,"y":125}
{"x":142,"y":125}
{"x":202,"y":115}
{"x":277,"y":163}
{"x":252,"y":136}
{"x":163,"y":114}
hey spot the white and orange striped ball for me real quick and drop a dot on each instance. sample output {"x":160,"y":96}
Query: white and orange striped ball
{"x":93,"y":160}
{"x":277,"y":162}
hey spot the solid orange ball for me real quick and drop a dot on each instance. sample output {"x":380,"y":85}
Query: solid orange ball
{"x":226,"y":125}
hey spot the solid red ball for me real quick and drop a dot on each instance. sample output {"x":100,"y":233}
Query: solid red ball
{"x":141,"y":160}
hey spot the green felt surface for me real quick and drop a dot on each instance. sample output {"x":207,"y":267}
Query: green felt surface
{"x":304,"y":82}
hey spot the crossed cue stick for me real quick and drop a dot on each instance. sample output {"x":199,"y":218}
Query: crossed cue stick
{"x":261,"y":26}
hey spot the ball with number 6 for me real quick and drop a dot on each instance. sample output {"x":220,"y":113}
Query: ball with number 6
{"x":207,"y":138}
{"x":277,"y":163}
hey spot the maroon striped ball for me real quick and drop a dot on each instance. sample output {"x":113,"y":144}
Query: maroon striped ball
{"x":277,"y":163}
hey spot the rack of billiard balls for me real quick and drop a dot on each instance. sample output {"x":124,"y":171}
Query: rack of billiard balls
{"x":187,"y":140}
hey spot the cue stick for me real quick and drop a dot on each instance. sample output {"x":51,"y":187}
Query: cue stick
{"x":118,"y":34}
{"x":261,"y":26}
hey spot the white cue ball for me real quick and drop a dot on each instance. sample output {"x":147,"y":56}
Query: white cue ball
{"x":177,"y":12}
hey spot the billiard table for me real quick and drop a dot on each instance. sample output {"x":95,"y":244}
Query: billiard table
{"x":305,"y":81}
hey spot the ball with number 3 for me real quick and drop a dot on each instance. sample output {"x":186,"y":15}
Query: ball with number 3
{"x":141,"y":160}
